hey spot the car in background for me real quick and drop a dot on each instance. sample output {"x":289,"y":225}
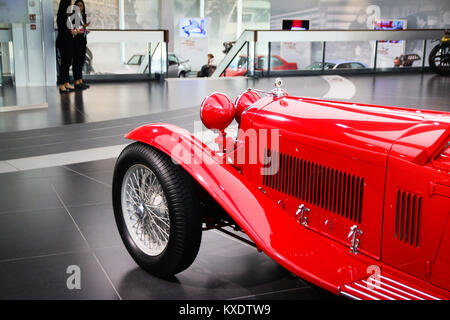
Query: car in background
{"x":337,"y":64}
{"x":178,"y":67}
{"x":133,"y":66}
{"x":238,"y":67}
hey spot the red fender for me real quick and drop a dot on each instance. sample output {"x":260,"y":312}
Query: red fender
{"x":309,"y":255}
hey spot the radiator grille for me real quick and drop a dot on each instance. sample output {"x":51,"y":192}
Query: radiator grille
{"x":331,"y":189}
{"x":407,"y":218}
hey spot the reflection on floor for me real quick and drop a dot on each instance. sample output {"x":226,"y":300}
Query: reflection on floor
{"x":61,"y":216}
{"x":22,"y":96}
{"x":55,"y":218}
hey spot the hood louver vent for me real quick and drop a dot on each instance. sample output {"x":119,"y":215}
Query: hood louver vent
{"x":407,"y":218}
{"x":331,"y":189}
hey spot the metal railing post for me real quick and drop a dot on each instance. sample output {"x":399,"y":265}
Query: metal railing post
{"x":1,"y":62}
{"x":269,"y":54}
{"x":424,"y":53}
{"x":375,"y":58}
{"x":255,"y":50}
{"x":323,"y":55}
{"x":150,"y":56}
{"x":161,"y":50}
{"x":248,"y":58}
{"x":166,"y":72}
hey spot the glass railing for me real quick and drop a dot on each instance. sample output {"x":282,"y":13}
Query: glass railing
{"x":126,"y":54}
{"x":272,"y":53}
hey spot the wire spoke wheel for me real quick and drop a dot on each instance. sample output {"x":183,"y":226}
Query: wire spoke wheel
{"x":440,"y":59}
{"x":145,"y":210}
{"x":157,"y":210}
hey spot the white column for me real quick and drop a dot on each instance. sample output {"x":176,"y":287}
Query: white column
{"x":202,"y":8}
{"x":239,"y":18}
{"x":28,"y":50}
{"x":122,"y":27}
{"x":167,"y":20}
{"x":49,"y":42}
{"x":20,"y":55}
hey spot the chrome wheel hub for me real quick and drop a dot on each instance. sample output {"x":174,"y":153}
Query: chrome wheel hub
{"x":145,"y":210}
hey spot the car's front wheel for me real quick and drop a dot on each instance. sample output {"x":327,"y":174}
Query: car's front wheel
{"x":156,"y":210}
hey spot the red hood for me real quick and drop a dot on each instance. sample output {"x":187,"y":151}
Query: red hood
{"x":348,"y":128}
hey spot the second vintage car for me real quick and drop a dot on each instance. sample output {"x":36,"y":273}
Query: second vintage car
{"x":354,"y":198}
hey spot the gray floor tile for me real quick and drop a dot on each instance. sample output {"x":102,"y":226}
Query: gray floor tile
{"x":97,"y":224}
{"x":26,"y":194}
{"x":29,"y":234}
{"x":46,"y":278}
{"x":80,"y":190}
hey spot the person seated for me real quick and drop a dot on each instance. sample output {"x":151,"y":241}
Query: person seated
{"x":209,"y":68}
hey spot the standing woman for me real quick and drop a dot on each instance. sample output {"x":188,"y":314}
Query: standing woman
{"x":80,"y":49}
{"x":65,"y":45}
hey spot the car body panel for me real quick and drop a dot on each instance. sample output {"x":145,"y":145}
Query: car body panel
{"x":360,"y":131}
{"x":138,"y":64}
{"x":240,"y":69}
{"x":178,"y":66}
{"x":350,"y":144}
{"x":338,"y":64}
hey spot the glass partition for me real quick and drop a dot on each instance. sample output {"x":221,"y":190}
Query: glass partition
{"x":354,"y":55}
{"x":22,"y":75}
{"x":288,"y":57}
{"x":115,"y":54}
{"x":240,"y":65}
{"x":106,"y":59}
{"x":6,"y":66}
{"x":329,"y":51}
{"x":4,"y":52}
{"x":401,"y":54}
{"x":227,"y":19}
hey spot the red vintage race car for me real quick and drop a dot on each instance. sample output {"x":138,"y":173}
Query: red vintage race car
{"x":354,"y":198}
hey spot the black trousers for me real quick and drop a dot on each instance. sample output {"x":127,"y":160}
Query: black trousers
{"x":79,"y":58}
{"x":65,"y":46}
{"x":204,"y":72}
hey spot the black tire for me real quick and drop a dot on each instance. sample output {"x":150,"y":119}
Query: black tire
{"x":183,"y":206}
{"x":182,"y":75}
{"x":437,"y":69}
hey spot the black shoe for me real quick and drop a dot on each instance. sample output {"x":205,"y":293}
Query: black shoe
{"x":80,"y":87}
{"x":64,"y":91}
{"x":86,"y":85}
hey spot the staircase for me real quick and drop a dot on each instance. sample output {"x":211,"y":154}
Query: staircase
{"x":246,"y":37}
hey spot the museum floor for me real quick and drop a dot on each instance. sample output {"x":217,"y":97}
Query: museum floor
{"x":56,"y":168}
